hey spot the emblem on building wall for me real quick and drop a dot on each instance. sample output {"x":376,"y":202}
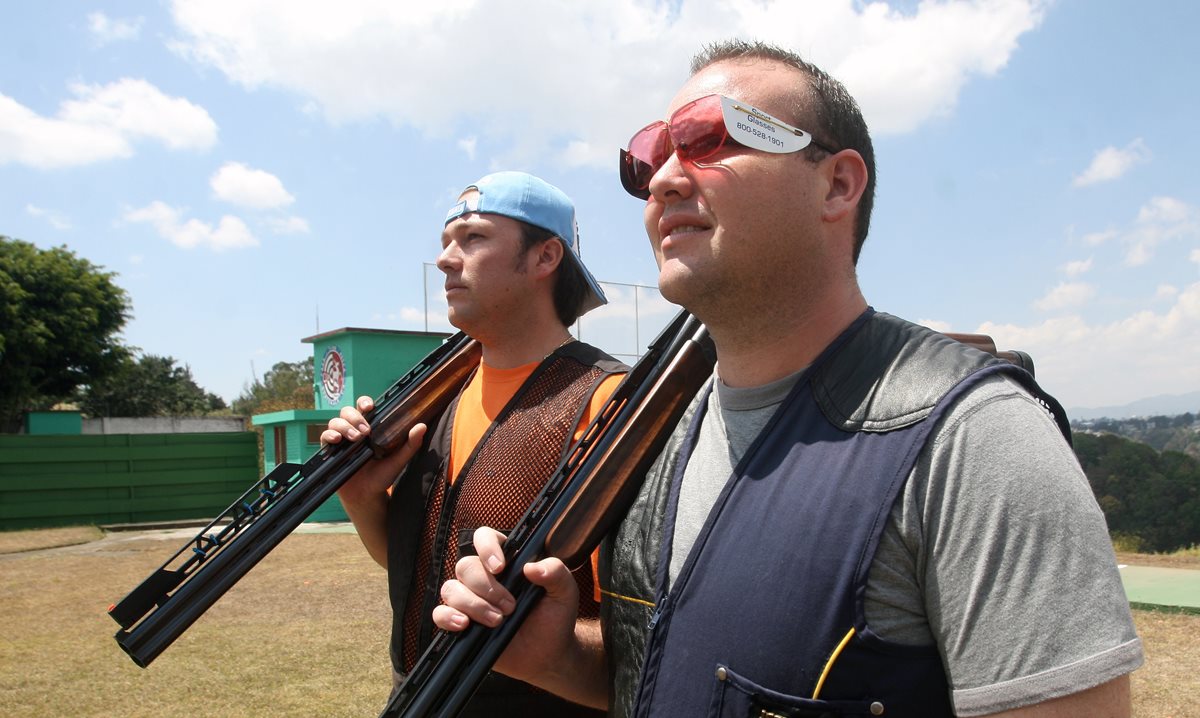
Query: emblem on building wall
{"x":333,"y":374}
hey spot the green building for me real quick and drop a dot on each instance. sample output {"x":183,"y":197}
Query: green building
{"x":347,"y":363}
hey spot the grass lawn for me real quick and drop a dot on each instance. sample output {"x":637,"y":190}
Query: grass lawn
{"x":303,"y":634}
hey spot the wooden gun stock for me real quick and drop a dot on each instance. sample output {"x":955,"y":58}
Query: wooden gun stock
{"x":983,"y":342}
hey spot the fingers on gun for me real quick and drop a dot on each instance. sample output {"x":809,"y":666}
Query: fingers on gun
{"x":464,"y":602}
{"x":475,"y":594}
{"x":349,"y":423}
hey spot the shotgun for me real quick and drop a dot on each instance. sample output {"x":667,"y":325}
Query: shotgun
{"x":168,"y":601}
{"x":589,"y":492}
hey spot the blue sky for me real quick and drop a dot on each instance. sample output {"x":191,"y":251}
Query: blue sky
{"x":257,"y":170}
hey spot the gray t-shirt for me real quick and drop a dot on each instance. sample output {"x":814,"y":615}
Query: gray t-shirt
{"x":995,"y":550}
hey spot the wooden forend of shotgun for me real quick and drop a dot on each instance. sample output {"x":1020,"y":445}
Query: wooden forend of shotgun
{"x":983,"y":342}
{"x":603,"y":500}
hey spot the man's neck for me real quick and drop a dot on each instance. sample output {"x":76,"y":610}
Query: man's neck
{"x":505,"y":350}
{"x":753,"y":351}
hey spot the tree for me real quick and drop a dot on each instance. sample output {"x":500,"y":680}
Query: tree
{"x":150,"y":386}
{"x":287,"y":385}
{"x":59,"y":320}
{"x":1151,"y":496}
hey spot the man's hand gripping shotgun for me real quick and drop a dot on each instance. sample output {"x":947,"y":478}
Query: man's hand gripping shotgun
{"x":168,"y":601}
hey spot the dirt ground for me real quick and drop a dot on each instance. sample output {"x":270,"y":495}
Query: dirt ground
{"x":303,"y":634}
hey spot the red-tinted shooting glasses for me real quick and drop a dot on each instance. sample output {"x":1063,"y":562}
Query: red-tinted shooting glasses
{"x":699,"y":130}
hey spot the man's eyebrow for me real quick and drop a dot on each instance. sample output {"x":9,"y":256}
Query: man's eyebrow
{"x":467,"y":222}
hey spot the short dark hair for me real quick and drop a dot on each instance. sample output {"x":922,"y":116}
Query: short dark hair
{"x":839,"y":123}
{"x":570,"y":287}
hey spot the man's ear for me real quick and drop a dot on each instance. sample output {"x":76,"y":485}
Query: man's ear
{"x":548,"y":256}
{"x":847,"y":182}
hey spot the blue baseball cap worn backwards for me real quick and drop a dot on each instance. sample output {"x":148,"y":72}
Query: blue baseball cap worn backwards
{"x":526,"y":198}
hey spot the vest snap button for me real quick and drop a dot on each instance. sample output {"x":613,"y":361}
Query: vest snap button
{"x":876,"y":708}
{"x":721,"y":673}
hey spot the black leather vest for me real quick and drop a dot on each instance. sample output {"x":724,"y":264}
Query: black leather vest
{"x":766,"y":616}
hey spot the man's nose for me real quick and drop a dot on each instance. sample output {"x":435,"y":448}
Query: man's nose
{"x":448,"y":259}
{"x":671,"y":181}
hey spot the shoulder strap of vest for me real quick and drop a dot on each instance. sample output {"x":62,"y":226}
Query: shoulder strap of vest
{"x":886,"y":373}
{"x":590,"y":355}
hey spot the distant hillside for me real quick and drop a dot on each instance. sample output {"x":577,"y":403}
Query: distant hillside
{"x":1162,"y":433}
{"x":1165,"y":405}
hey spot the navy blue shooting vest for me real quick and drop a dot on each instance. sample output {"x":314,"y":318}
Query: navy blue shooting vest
{"x":766,"y":617}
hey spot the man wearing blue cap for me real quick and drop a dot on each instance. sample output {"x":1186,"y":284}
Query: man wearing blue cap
{"x":515,"y":283}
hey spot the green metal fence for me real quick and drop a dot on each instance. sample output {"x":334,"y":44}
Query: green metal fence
{"x":122,"y":478}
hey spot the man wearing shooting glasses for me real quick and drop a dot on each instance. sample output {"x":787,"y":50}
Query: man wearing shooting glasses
{"x":859,"y":516}
{"x":514,"y":282}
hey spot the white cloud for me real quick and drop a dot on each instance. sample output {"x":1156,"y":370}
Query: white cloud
{"x":288,"y":225}
{"x":56,"y":220}
{"x":1111,"y":163}
{"x":29,"y":139}
{"x":138,"y":109}
{"x":631,"y":55}
{"x":230,"y":232}
{"x":1143,"y":354}
{"x":905,"y":69}
{"x":238,"y":184}
{"x":1164,"y":210}
{"x":467,"y":145}
{"x":1065,"y":296}
{"x":405,"y":317}
{"x":1165,"y":292}
{"x":411,"y":314}
{"x":101,"y":123}
{"x":106,"y":30}
{"x":1078,"y":267}
{"x":1159,"y":220}
{"x":936,"y":325}
{"x":1097,"y":238}
{"x":1195,"y":256}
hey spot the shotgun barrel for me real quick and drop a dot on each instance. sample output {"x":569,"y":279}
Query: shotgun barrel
{"x":168,"y":601}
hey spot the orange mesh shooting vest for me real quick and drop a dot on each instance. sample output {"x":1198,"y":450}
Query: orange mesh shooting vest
{"x":494,"y":487}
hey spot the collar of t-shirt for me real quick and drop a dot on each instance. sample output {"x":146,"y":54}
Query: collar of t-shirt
{"x":484,"y":397}
{"x":750,"y":398}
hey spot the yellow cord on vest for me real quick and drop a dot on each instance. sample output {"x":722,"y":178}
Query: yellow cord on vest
{"x":829,"y":664}
{"x":628,"y":598}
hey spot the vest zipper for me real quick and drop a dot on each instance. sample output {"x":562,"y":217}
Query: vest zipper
{"x":658,"y":610}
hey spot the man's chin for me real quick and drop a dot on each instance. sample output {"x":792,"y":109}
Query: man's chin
{"x":674,"y":282}
{"x":455,"y":317}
